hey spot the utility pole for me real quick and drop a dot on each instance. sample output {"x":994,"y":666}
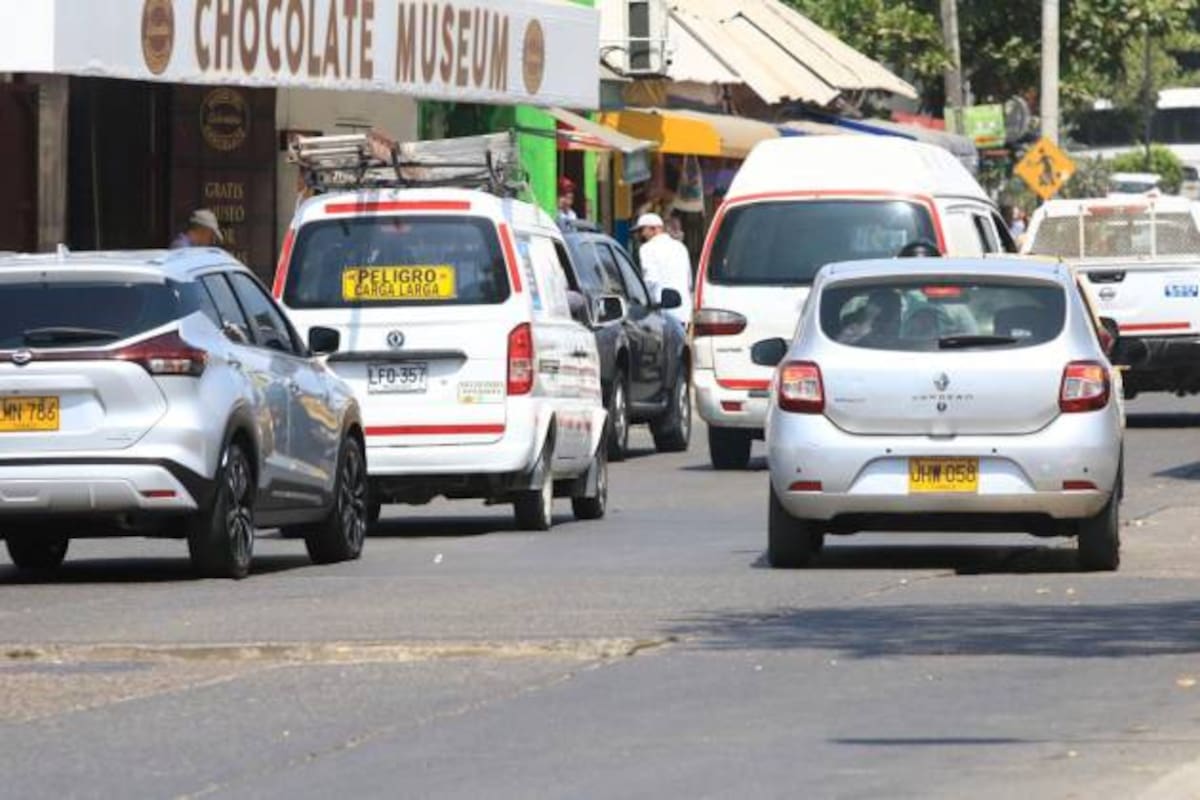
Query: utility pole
{"x":1148,"y":98}
{"x":954,"y":81}
{"x":1049,"y":98}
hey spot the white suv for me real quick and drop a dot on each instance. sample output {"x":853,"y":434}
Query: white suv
{"x":461,"y":342}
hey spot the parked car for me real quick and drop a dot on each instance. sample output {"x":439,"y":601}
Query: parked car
{"x":645,"y":357}
{"x":1138,"y":258}
{"x":795,"y":205}
{"x":1135,"y":184}
{"x":165,"y":394}
{"x":475,"y":379}
{"x":947,"y":394}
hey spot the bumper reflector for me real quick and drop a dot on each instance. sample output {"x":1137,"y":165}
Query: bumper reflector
{"x":730,"y":405}
{"x":1079,"y":486}
{"x":805,"y":486}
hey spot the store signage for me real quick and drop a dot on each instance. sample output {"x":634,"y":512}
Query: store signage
{"x":499,"y":51}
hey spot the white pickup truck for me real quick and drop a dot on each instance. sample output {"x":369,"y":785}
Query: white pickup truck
{"x":1138,"y":260}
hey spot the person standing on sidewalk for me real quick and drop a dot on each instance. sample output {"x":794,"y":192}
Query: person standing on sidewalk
{"x":203,"y":231}
{"x":665,"y":263}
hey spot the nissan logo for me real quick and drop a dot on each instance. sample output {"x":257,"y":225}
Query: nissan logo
{"x":22,"y":357}
{"x":395,"y":339}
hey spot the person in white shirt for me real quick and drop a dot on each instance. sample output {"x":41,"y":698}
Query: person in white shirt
{"x":665,"y":264}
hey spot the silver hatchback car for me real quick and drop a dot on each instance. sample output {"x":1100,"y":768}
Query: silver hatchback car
{"x":166,"y":394}
{"x":945,"y":394}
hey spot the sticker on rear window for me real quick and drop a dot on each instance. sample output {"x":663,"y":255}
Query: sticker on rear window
{"x":414,"y":282}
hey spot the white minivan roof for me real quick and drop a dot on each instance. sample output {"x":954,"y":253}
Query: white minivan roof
{"x":519,"y":214}
{"x":886,"y":164}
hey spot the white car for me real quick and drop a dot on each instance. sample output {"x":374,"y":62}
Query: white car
{"x":461,"y":342}
{"x":796,"y":205}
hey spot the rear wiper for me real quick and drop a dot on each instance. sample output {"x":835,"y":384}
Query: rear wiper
{"x":67,"y":335}
{"x":965,"y":341}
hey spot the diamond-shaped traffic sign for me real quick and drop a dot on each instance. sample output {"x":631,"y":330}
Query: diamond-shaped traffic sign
{"x":1045,"y":168}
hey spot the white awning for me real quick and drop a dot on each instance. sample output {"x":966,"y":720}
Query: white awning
{"x":581,"y":133}
{"x":776,"y":51}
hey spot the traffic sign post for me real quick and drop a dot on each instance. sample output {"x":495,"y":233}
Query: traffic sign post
{"x":1045,"y":168}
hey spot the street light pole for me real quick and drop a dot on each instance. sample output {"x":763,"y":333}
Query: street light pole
{"x":1049,"y":98}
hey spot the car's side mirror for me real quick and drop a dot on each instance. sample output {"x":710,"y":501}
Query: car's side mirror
{"x":670,"y":299}
{"x":323,"y":341}
{"x":1110,"y":334}
{"x":581,"y":311}
{"x":609,"y":308}
{"x":769,"y":352}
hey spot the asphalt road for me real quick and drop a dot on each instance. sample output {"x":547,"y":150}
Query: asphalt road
{"x":651,"y":654}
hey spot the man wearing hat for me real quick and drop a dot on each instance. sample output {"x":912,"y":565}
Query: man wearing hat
{"x":203,"y":231}
{"x":566,"y":202}
{"x":665,"y":263}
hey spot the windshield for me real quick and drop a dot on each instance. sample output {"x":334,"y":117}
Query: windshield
{"x":786,"y":243}
{"x":82,"y":313}
{"x":389,"y":261}
{"x":1117,"y":233}
{"x":942,"y":315}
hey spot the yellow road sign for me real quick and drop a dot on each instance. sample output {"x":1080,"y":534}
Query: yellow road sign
{"x":1045,"y":168}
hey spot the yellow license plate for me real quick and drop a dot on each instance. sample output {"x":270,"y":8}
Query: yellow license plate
{"x":22,"y":414}
{"x":399,"y":283}
{"x":946,"y":475}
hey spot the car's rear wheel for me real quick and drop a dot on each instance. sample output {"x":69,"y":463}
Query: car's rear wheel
{"x":729,"y":448}
{"x":1099,"y":537}
{"x":594,"y":505}
{"x":618,"y":419}
{"x":221,"y":537}
{"x":791,"y":542}
{"x":534,"y":509}
{"x":37,"y":552}
{"x":340,"y":536}
{"x":673,"y":431}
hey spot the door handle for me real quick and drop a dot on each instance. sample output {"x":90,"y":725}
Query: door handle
{"x":235,"y":364}
{"x":294,"y":388}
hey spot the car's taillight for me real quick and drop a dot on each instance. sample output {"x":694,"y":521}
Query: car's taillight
{"x":800,"y":388}
{"x":717,"y":322}
{"x":1085,"y":387}
{"x":167,"y":354}
{"x":520,"y":359}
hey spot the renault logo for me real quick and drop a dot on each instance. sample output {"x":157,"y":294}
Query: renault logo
{"x":395,"y":339}
{"x":941,"y":382}
{"x":22,"y":357}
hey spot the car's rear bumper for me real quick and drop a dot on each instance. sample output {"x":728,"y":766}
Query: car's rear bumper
{"x":724,"y":407}
{"x":516,"y":449}
{"x":73,"y":487}
{"x":1018,"y":475}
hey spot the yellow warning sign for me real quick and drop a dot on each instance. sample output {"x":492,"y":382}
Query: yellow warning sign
{"x":1045,"y":168}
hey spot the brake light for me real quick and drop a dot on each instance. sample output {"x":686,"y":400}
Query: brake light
{"x":942,"y":292}
{"x":800,"y":388}
{"x":716,"y":322}
{"x":1085,"y":387}
{"x":167,"y":354}
{"x":520,"y":360}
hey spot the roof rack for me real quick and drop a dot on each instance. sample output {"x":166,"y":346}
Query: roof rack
{"x":374,"y":160}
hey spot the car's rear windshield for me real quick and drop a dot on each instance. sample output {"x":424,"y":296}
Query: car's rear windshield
{"x":82,"y":313}
{"x":404,"y":260}
{"x":939,"y":314}
{"x":1117,"y":233}
{"x":786,"y":243}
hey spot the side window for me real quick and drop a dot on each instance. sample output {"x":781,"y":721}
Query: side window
{"x":633,"y":280}
{"x":609,"y":269}
{"x":962,"y":237}
{"x":987,"y":234}
{"x":550,"y":300}
{"x":232,"y":320}
{"x":197,"y":298}
{"x":1007,"y":243}
{"x":270,"y":328}
{"x":565,"y":264}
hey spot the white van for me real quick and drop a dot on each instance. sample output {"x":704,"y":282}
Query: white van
{"x":796,"y":205}
{"x":461,"y":342}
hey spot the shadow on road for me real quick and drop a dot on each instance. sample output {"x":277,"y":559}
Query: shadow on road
{"x":452,"y":527}
{"x":138,"y":570}
{"x":1183,"y":472}
{"x":962,"y":559}
{"x":757,"y":464}
{"x":1162,"y":421}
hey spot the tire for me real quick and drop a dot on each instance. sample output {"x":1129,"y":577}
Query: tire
{"x":673,"y":432}
{"x":221,"y":537}
{"x":729,"y":448}
{"x":1099,"y":545}
{"x":38,"y":553}
{"x":791,"y":542}
{"x":339,"y":537}
{"x":618,"y":419}
{"x":595,"y":506}
{"x":534,"y":509}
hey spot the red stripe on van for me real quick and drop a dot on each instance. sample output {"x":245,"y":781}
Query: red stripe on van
{"x":1138,"y":327}
{"x":397,"y":205}
{"x":510,"y":255}
{"x":281,"y":269}
{"x":434,"y":430}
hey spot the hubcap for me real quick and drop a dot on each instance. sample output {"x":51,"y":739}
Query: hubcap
{"x":619,"y":423}
{"x":239,"y":521}
{"x":548,"y":500}
{"x":685,"y":408}
{"x":352,"y":500}
{"x":602,"y":483}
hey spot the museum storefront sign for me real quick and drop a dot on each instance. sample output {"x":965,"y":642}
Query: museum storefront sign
{"x":489,"y":51}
